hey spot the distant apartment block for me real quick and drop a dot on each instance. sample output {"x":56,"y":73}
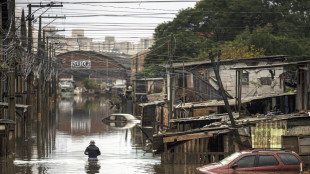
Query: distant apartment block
{"x":130,"y":48}
{"x":78,"y":41}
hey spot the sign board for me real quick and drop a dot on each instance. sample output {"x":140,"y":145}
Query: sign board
{"x":80,"y":64}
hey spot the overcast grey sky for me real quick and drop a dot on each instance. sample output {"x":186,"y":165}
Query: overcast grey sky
{"x":127,"y":20}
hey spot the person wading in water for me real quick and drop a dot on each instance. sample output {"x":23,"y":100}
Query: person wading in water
{"x":92,"y":151}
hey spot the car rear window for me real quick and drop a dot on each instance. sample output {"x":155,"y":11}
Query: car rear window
{"x":267,"y":160}
{"x":247,"y":161}
{"x":288,"y":159}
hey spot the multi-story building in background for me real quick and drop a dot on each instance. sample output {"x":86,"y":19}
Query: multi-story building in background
{"x":109,"y":44}
{"x":78,"y":41}
{"x":144,"y":44}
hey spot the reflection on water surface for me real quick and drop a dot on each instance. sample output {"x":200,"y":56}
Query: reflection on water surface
{"x":61,"y":146}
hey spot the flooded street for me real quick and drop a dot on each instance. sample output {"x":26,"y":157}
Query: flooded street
{"x":77,"y":121}
{"x":154,"y":86}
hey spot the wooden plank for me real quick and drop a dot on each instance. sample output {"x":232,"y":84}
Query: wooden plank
{"x":196,"y":145}
{"x":204,"y":111}
{"x":200,"y":145}
{"x":189,"y":146}
{"x":185,"y":152}
{"x":177,"y":138}
{"x":290,"y":143}
{"x":141,"y":93}
{"x":185,"y":137}
{"x":4,"y":104}
{"x":239,"y":90}
{"x":205,"y":144}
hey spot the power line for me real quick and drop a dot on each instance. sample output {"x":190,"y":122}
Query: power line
{"x":116,"y":2}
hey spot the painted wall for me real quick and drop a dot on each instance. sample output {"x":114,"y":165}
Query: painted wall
{"x":256,"y":76}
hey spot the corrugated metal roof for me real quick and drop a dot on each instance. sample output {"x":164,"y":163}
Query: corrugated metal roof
{"x":232,"y":102}
{"x":270,"y":66}
{"x":180,"y":65}
{"x":149,"y":79}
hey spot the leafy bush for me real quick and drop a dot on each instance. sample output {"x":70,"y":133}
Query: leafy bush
{"x":90,"y":84}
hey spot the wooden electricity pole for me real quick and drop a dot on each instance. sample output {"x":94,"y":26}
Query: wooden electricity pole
{"x":29,"y":98}
{"x":216,"y":68}
{"x":219,"y":81}
{"x":29,"y":18}
{"x":1,"y":58}
{"x":39,"y":92}
{"x":11,"y":81}
{"x":23,"y":30}
{"x":169,"y":80}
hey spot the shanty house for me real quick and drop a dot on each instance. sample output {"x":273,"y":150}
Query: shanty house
{"x":256,"y":82}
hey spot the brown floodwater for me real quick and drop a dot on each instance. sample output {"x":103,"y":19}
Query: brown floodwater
{"x":59,"y":146}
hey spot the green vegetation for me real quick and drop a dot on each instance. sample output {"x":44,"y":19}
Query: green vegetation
{"x":239,"y":28}
{"x":90,"y":84}
{"x":150,"y":71}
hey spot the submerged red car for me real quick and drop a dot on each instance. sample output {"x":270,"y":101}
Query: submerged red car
{"x":257,"y":161}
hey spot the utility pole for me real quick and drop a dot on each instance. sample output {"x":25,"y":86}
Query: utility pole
{"x":169,"y":79}
{"x":23,"y":31}
{"x":107,"y":71}
{"x":41,"y":54}
{"x":46,"y":5}
{"x":39,"y":92}
{"x":219,"y":80}
{"x":29,"y":18}
{"x":216,"y":68}
{"x":11,"y":53}
{"x":45,"y":101}
{"x":29,"y":98}
{"x":183,"y":96}
{"x":1,"y":58}
{"x":11,"y":57}
{"x":20,"y":82}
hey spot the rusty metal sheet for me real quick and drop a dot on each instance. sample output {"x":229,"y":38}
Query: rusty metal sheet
{"x":268,"y":134}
